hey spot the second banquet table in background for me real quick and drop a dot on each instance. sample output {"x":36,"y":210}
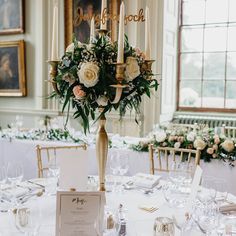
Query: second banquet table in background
{"x":24,"y":151}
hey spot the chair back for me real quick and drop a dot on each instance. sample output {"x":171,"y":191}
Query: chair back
{"x":162,"y":162}
{"x":44,"y":153}
{"x":229,"y":131}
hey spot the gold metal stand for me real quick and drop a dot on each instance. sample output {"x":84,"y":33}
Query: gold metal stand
{"x":53,"y":74}
{"x":101,"y":151}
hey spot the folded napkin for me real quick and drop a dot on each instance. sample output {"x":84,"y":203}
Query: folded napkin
{"x":15,"y":192}
{"x":228,"y":208}
{"x":146,"y":180}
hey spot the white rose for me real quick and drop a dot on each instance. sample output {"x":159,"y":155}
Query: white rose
{"x":102,"y":101}
{"x":88,"y":74}
{"x":177,"y":145}
{"x":71,"y":47}
{"x":132,"y":69}
{"x":191,"y":136}
{"x":228,"y":145}
{"x":199,"y":144}
{"x":160,"y":137}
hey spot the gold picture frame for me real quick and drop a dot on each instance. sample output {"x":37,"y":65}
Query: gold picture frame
{"x":75,"y":8}
{"x":12,"y":69}
{"x":11,"y":17}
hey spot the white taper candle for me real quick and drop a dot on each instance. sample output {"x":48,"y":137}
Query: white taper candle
{"x":120,"y":53}
{"x":147,"y":35}
{"x":54,"y":48}
{"x":92,"y":30}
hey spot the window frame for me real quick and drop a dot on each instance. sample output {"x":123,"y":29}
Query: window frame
{"x":196,"y":109}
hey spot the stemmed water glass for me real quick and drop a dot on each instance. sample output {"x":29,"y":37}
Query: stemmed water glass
{"x":53,"y":173}
{"x":3,"y":179}
{"x":14,"y":173}
{"x":14,"y":176}
{"x":124,"y":164}
{"x":114,"y":165}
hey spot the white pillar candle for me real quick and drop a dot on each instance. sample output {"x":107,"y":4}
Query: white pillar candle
{"x":103,"y":24}
{"x":147,"y":35}
{"x":92,"y":30}
{"x":120,"y":53}
{"x":54,"y":49}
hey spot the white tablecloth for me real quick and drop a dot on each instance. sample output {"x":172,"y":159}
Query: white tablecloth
{"x":139,"y":222}
{"x":24,"y":152}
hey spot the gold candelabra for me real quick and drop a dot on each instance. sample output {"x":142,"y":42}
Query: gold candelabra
{"x":102,"y":138}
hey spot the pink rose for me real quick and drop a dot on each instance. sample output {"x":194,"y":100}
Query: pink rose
{"x":79,"y":92}
{"x":210,"y":151}
{"x":216,"y":139}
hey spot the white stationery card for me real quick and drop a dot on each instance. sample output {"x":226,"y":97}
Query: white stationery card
{"x":195,"y":185}
{"x":73,"y":169}
{"x":80,"y":213}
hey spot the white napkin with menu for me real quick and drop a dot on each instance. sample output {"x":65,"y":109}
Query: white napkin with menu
{"x":146,"y":180}
{"x":195,"y":186}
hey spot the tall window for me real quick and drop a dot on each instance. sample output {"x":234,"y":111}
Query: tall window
{"x":207,"y":55}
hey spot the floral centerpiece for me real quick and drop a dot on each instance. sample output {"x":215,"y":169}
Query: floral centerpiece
{"x":86,"y":75}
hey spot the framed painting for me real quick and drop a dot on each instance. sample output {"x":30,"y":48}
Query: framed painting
{"x":12,"y":69}
{"x":11,"y":16}
{"x":78,"y":14}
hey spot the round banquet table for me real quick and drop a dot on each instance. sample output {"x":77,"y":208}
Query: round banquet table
{"x":139,"y":222}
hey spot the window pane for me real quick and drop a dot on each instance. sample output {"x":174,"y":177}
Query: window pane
{"x":231,"y":94}
{"x":232,"y":7}
{"x":213,"y":94}
{"x":231,"y":65}
{"x":232,"y":38}
{"x":214,"y":66}
{"x":191,"y":66}
{"x":192,"y":39}
{"x":215,"y":39}
{"x":194,"y":12}
{"x":216,"y":11}
{"x":190,"y":95}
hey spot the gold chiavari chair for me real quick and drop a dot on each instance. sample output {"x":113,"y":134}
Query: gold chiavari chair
{"x":229,"y":131}
{"x":48,"y":150}
{"x":163,"y":160}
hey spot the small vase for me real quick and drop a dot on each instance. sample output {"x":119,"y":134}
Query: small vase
{"x":101,"y":151}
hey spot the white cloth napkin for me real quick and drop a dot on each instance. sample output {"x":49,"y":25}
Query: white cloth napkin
{"x":15,"y":192}
{"x":146,"y":180}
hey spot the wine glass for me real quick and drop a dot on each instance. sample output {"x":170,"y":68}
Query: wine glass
{"x":114,"y":167}
{"x":14,"y":176}
{"x":124,"y":165}
{"x":207,"y":193}
{"x":174,"y":195}
{"x":52,"y":175}
{"x":19,"y":122}
{"x":3,"y":179}
{"x":14,"y":173}
{"x":181,"y":173}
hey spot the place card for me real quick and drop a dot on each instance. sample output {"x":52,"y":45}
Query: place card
{"x":73,"y":165}
{"x":80,"y":213}
{"x":195,"y":186}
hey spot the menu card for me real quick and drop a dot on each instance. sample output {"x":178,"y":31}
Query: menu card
{"x":79,"y":213}
{"x":195,"y":185}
